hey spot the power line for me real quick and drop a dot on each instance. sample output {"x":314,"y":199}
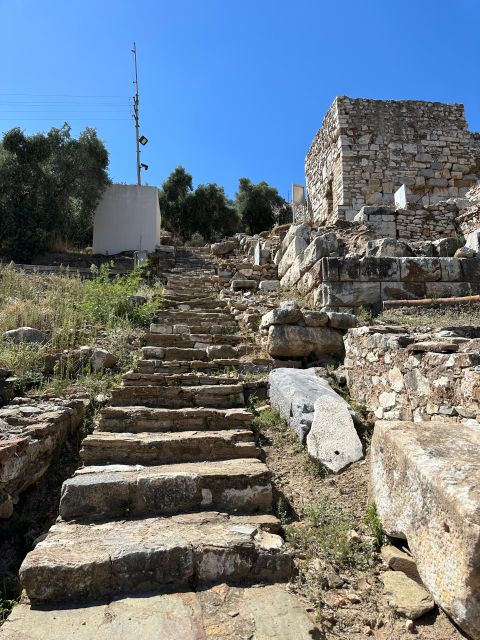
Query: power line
{"x":60,"y":95}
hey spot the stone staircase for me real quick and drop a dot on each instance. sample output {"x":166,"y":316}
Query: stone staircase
{"x":173,"y":494}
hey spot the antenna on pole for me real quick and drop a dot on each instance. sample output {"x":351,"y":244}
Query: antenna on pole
{"x":136,"y":116}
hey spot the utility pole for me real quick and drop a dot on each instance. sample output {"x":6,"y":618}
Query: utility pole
{"x":136,"y":115}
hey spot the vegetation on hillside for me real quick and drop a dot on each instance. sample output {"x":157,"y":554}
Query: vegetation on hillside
{"x":50,"y":185}
{"x":207,"y":212}
{"x":73,"y":313}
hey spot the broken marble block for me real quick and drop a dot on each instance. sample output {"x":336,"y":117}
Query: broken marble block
{"x":318,"y":415}
{"x":426,"y":486}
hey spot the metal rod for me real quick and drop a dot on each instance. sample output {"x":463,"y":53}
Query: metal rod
{"x":136,"y":115}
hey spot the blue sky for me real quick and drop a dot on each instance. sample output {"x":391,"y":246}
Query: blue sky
{"x":229,"y":88}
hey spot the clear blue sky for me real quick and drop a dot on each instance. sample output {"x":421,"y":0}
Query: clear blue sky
{"x":229,"y":88}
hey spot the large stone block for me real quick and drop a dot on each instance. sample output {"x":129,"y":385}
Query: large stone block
{"x":310,"y":279}
{"x":447,"y":289}
{"x":332,"y":438}
{"x":451,"y":269}
{"x":292,"y":276}
{"x":295,"y":249}
{"x":426,"y":486}
{"x":347,"y":294}
{"x":378,"y":269}
{"x":287,"y":312}
{"x":388,"y":247}
{"x":420,"y":269}
{"x":299,"y":342}
{"x":293,"y":393}
{"x":322,"y":246}
{"x":296,"y":231}
{"x":403,"y":290}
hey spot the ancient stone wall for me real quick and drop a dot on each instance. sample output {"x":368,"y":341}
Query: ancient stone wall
{"x":323,"y":167}
{"x":368,"y":148}
{"x":402,"y":376}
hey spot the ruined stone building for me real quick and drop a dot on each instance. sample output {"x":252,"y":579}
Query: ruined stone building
{"x":366,"y":149}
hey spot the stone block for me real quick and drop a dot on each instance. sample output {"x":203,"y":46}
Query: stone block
{"x":402,"y":290}
{"x":470,"y":269}
{"x":451,"y":269}
{"x":446,"y":247}
{"x":310,"y":280}
{"x":329,"y":269}
{"x":244,"y":284}
{"x":296,"y":231}
{"x":292,"y":276}
{"x":293,"y":393}
{"x":426,"y":486}
{"x":294,"y":341}
{"x":348,"y":294}
{"x":388,"y":248}
{"x":315,"y":318}
{"x":322,"y":246}
{"x":349,"y":268}
{"x":223,"y":248}
{"x":342,"y":321}
{"x":295,"y":249}
{"x":420,"y":269}
{"x":269,"y":285}
{"x":287,"y":313}
{"x":377,"y":269}
{"x":447,"y":289}
{"x":332,"y":439}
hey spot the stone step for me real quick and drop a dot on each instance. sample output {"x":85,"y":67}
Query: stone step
{"x":235,"y":486}
{"x":219,"y":396}
{"x":102,"y":447}
{"x":197,"y":352}
{"x":179,"y":317}
{"x":83,"y":562}
{"x":264,"y":612}
{"x":135,"y":379}
{"x":189,"y":340}
{"x":197,"y":305}
{"x":142,"y":419}
{"x":227,"y":366}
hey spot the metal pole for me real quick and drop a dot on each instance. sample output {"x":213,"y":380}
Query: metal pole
{"x":136,"y":115}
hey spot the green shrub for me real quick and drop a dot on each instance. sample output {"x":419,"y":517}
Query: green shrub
{"x":326,"y":534}
{"x":373,"y":523}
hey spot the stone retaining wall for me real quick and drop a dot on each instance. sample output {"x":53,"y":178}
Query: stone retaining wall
{"x":31,"y":434}
{"x":310,"y":261}
{"x":404,"y":376}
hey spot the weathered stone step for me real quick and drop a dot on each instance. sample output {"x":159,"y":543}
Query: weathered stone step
{"x":142,"y":419}
{"x":219,"y":396}
{"x":250,"y":366}
{"x":264,"y":611}
{"x":136,"y":379}
{"x":198,"y":305}
{"x":178,"y":353}
{"x":236,"y":486}
{"x":179,"y":317}
{"x":165,"y":448}
{"x":188,"y":341}
{"x":81,"y":561}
